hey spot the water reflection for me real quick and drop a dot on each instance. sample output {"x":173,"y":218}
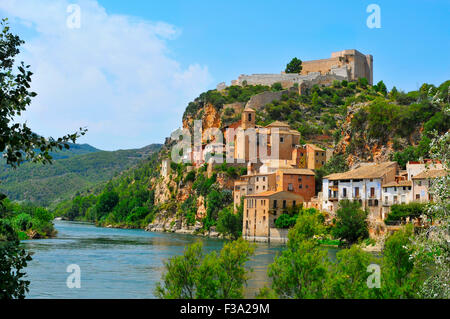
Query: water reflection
{"x":118,"y":263}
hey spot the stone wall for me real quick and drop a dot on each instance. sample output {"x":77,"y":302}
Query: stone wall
{"x":345,"y":65}
{"x":277,"y":235}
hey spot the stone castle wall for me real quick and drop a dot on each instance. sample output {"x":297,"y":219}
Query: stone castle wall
{"x":343,"y":65}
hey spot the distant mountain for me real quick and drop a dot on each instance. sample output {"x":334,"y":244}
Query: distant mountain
{"x":72,"y":171}
{"x":75,"y":149}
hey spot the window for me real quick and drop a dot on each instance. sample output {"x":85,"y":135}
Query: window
{"x":395,"y":199}
{"x":306,"y":186}
{"x":290,"y":187}
{"x":284,"y":204}
{"x":294,"y":203}
{"x":417,"y":196}
{"x":300,"y":179}
{"x":322,"y":162}
{"x":264,"y":187}
{"x":317,"y":153}
{"x":386,"y":199}
{"x":257,"y":179}
{"x":356,"y":191}
{"x":275,"y":203}
{"x":344,"y":192}
{"x":249,"y":117}
{"x":419,"y":183}
{"x":281,"y":139}
{"x":370,"y":202}
{"x":257,"y":187}
{"x":375,"y":202}
{"x":300,"y":186}
{"x":264,"y":178}
{"x":372,"y":192}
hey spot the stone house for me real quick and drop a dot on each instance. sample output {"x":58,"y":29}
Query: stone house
{"x":396,"y":192}
{"x":299,"y":181}
{"x":363,"y":183}
{"x":422,"y":182}
{"x":261,"y":211}
{"x":252,"y":184}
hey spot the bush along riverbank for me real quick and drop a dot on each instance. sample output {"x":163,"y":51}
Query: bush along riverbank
{"x":27,"y":220}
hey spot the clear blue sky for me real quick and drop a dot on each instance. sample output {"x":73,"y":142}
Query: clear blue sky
{"x":233,"y":37}
{"x":129,"y":71}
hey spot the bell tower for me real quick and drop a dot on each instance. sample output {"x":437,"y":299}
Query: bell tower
{"x":248,"y":118}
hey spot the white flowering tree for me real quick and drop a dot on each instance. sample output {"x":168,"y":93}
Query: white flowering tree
{"x":433,"y":244}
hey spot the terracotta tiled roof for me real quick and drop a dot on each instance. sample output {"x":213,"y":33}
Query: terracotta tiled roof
{"x":283,"y":194}
{"x":399,"y":184}
{"x":432,"y":173}
{"x":278,"y":124}
{"x":372,"y":170}
{"x":296,"y":171}
{"x":315,"y":147}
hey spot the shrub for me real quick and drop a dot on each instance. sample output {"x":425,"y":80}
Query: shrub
{"x":351,"y":224}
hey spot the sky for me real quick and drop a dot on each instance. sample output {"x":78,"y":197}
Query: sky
{"x":131,"y":67}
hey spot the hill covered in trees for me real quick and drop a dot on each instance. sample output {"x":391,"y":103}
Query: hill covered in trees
{"x":359,"y":121}
{"x":74,"y":170}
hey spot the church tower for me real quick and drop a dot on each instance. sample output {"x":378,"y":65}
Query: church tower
{"x":248,"y":118}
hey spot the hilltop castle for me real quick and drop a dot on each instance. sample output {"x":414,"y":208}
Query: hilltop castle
{"x":347,"y":65}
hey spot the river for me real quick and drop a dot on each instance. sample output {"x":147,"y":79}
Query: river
{"x":119,"y":263}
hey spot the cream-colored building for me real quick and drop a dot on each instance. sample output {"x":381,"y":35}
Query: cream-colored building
{"x":261,"y":211}
{"x":421,"y":184}
{"x":256,"y":143}
{"x":396,"y":192}
{"x":363,"y":183}
{"x":252,"y":184}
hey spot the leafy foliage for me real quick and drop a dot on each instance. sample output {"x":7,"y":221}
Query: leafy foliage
{"x":295,"y":66}
{"x":351,"y":224}
{"x":206,"y":276}
{"x":47,"y":185}
{"x":401,"y":211}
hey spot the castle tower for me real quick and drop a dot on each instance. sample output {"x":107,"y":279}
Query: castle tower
{"x":248,"y":118}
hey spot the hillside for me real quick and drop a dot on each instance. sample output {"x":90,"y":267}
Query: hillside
{"x":73,"y":171}
{"x":358,"y":121}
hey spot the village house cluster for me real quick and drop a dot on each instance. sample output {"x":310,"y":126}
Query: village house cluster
{"x":272,"y":187}
{"x":281,"y":169}
{"x":283,"y":177}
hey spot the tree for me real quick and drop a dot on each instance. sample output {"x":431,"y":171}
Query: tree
{"x":295,"y":66}
{"x":348,"y":279}
{"x":308,"y":226}
{"x":431,"y":250}
{"x":211,"y":276}
{"x":351,"y":224}
{"x":18,"y":143}
{"x":381,"y":87}
{"x":230,"y":223}
{"x":13,"y":259}
{"x":300,"y":273}
{"x":106,"y":203}
{"x":399,"y":276}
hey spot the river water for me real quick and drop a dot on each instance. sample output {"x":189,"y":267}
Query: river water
{"x":119,"y":263}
